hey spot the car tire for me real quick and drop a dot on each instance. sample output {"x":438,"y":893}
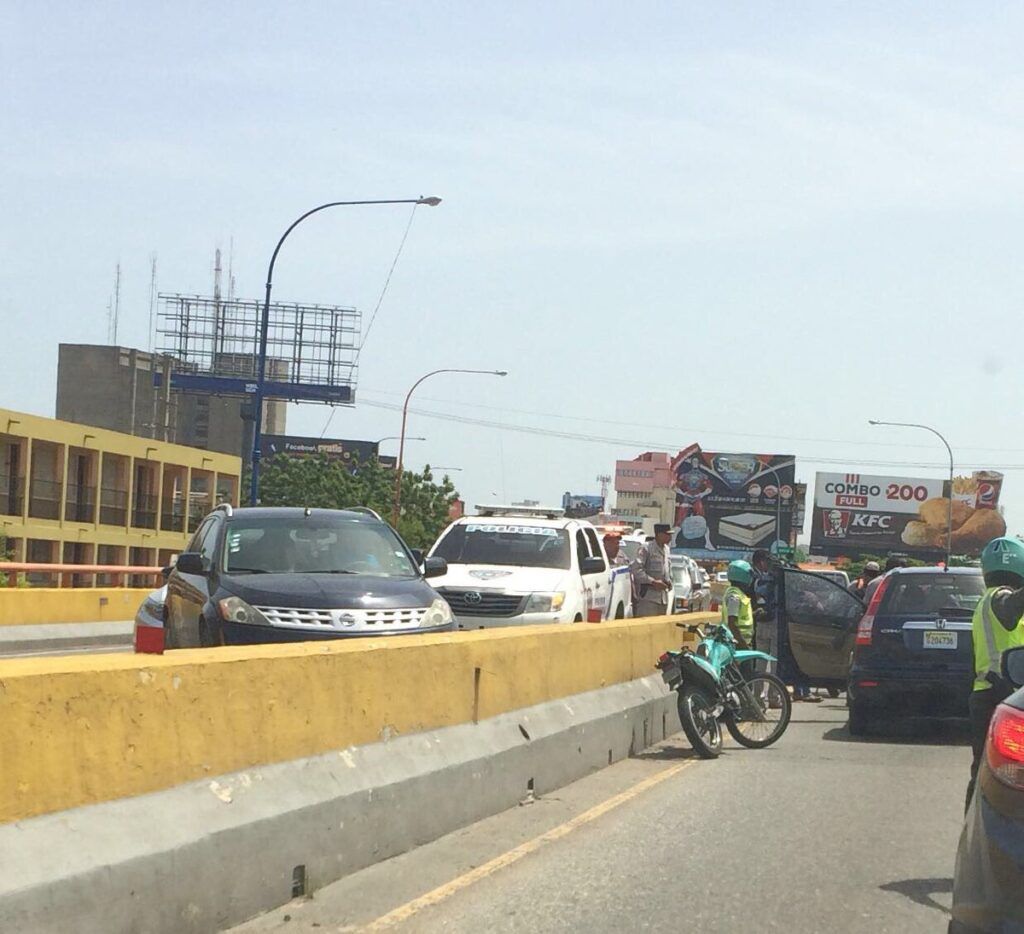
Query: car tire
{"x":833,"y":693}
{"x":859,"y":723}
{"x":577,"y":618}
{"x":620,"y":612}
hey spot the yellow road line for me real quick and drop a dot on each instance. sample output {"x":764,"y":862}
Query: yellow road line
{"x":406,"y":911}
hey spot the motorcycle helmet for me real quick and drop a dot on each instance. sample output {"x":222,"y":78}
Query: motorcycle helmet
{"x":740,"y":572}
{"x":1003,"y":554}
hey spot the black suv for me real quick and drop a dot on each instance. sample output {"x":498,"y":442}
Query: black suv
{"x":913,"y":651}
{"x":290,"y":575}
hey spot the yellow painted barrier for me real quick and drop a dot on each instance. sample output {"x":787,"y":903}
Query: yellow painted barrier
{"x":33,"y":606}
{"x":82,"y":729}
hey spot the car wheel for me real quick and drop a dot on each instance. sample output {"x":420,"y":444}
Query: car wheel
{"x":833,"y":693}
{"x":577,"y":618}
{"x":620,"y":612}
{"x":859,"y":721}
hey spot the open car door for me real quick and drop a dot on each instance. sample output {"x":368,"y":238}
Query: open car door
{"x":821,"y":618}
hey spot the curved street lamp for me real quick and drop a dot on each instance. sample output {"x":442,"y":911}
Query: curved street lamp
{"x":405,"y":412}
{"x":380,"y":441}
{"x":261,"y":360}
{"x":949,"y":450}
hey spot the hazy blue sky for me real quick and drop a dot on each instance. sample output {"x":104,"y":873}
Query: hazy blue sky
{"x":753,"y":226}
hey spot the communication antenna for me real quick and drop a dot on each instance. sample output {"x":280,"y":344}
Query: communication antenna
{"x":605,"y":480}
{"x":218,"y":307}
{"x":114,"y":308}
{"x":152,"y":299}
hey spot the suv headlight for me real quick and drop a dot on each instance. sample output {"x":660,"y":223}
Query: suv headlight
{"x":439,"y":614}
{"x":545,"y":602}
{"x":236,"y":610}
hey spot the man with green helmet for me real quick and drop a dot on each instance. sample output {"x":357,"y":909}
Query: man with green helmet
{"x":997,"y":626}
{"x":737,"y":606}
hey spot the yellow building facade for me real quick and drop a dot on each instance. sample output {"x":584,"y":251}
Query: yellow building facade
{"x":75,"y":494}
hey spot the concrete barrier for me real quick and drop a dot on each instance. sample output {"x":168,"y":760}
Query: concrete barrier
{"x":38,"y":606}
{"x":80,"y":730}
{"x":207,"y":855}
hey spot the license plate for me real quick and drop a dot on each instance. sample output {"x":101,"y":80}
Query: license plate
{"x":940,"y":640}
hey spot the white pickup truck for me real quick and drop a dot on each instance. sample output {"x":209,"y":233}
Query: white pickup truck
{"x":515,"y":566}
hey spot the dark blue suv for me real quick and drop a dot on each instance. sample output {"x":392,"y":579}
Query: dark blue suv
{"x":288,"y":575}
{"x":913,"y":652}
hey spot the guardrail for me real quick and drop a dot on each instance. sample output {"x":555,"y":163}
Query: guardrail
{"x":65,"y":573}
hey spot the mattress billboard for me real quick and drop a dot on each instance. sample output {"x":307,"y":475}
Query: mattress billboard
{"x":879,"y":515}
{"x":729,"y":504}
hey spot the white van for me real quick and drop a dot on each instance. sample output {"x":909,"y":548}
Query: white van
{"x":515,"y":566}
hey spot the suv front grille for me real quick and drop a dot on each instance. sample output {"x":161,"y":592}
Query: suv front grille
{"x":465,"y":602}
{"x":343,"y":620}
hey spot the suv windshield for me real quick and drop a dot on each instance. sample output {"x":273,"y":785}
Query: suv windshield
{"x":523,"y":545}
{"x":933,"y":594}
{"x":314,"y":545}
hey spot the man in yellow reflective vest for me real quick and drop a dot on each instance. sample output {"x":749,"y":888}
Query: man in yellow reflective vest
{"x":997,"y":626}
{"x":737,"y":607}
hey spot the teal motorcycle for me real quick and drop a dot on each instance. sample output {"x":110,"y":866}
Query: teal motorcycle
{"x":717,"y":684}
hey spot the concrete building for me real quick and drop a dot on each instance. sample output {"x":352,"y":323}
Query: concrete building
{"x":643,"y":487}
{"x":75,"y":494}
{"x":112,"y":387}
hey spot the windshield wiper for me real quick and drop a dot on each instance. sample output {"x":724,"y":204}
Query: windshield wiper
{"x":334,"y":571}
{"x":247,"y":571}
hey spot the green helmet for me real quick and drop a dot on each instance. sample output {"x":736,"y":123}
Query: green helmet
{"x":740,"y":572}
{"x":1003,"y":554}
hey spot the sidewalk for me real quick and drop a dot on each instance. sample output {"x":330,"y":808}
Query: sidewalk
{"x":64,"y":638}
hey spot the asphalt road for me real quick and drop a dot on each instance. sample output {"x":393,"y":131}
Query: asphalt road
{"x":820,"y":833}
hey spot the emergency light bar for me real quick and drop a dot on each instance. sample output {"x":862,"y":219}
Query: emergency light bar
{"x":543,"y":512}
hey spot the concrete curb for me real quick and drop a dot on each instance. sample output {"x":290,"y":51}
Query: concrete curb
{"x":21,"y":640}
{"x":208,"y":855}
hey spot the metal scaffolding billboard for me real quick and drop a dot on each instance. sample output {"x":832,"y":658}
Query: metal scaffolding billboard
{"x":312,"y":350}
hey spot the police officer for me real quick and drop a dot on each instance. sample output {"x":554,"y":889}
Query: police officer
{"x":737,"y":605}
{"x":997,"y":626}
{"x":652,"y":574}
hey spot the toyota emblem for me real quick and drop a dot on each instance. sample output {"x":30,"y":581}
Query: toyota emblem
{"x":472,"y":597}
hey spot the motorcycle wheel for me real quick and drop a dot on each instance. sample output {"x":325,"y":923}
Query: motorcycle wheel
{"x":767,"y":708}
{"x":696,"y":714}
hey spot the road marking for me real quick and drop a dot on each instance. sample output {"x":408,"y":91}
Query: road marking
{"x":406,"y":911}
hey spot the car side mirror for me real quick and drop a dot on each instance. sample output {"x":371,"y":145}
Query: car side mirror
{"x":166,"y":572}
{"x":192,"y":562}
{"x":434,"y":567}
{"x":417,"y":556}
{"x":592,"y":566}
{"x":1013,"y":666}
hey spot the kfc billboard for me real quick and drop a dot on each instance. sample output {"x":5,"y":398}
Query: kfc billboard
{"x":729,"y":504}
{"x":861,"y":514}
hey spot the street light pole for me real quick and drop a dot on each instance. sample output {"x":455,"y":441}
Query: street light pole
{"x":261,"y":359}
{"x":949,"y":450}
{"x":380,"y":441}
{"x":401,"y":438}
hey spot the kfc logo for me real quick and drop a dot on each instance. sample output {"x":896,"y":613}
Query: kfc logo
{"x":835,"y":522}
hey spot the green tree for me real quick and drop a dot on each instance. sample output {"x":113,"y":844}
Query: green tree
{"x":323,"y":483}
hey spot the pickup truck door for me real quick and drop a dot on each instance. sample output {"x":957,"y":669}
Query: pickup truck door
{"x":821,"y":618}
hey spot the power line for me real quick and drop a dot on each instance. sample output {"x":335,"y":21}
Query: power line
{"x":688,"y":432}
{"x":656,"y":445}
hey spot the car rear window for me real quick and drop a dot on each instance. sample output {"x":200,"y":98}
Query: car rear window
{"x":932,"y":594}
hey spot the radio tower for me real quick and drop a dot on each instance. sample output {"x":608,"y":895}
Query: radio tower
{"x":605,"y":480}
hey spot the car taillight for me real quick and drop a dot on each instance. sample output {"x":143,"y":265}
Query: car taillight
{"x":1005,"y":747}
{"x":866,"y":626}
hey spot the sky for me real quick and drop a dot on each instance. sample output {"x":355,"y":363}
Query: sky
{"x":753,"y":226}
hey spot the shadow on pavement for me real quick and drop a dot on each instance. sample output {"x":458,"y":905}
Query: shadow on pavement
{"x":665,"y":754}
{"x":912,"y":730}
{"x":921,"y":891}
